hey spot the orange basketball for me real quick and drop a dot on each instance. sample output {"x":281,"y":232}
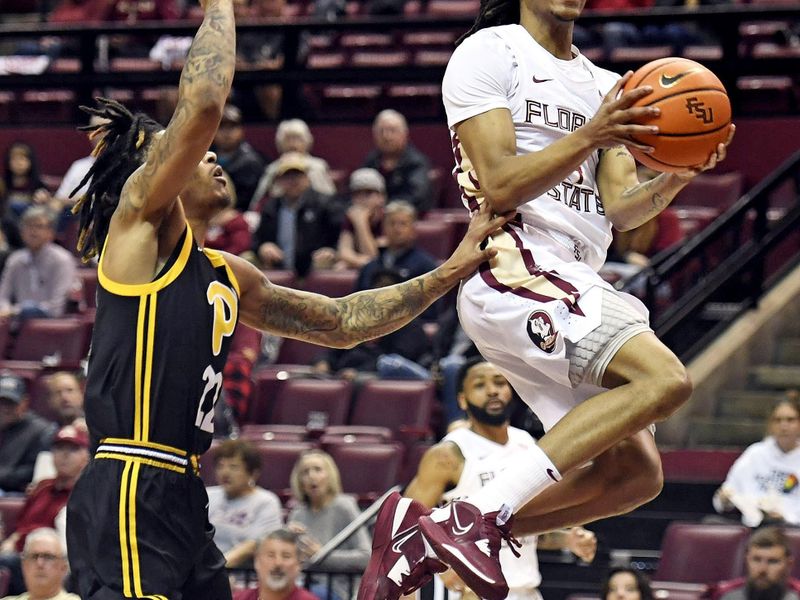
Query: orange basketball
{"x":695,"y":113}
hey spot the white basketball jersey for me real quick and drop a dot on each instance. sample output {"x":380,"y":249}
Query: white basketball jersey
{"x":549,"y":98}
{"x":483,"y":460}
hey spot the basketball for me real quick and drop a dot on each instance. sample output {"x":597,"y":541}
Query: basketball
{"x":695,"y":113}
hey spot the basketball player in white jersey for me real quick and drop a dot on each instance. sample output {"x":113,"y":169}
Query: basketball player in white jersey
{"x":538,"y":129}
{"x":470,"y":457}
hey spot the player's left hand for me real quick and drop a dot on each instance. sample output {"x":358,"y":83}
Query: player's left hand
{"x":713,"y":160}
{"x":582,"y":543}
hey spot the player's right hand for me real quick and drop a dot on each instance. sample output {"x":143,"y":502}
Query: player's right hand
{"x":616,"y":121}
{"x":471,"y":252}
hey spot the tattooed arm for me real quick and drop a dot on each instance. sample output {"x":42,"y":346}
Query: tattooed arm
{"x":345,"y":322}
{"x":628,"y":203}
{"x":174,"y":155}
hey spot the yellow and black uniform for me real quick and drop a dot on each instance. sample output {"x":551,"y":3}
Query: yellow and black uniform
{"x":137,"y":520}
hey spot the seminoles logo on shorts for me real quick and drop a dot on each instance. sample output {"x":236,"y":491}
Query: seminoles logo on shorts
{"x":541,"y":331}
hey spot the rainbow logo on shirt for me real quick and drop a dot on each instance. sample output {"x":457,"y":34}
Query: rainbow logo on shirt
{"x":790,"y":483}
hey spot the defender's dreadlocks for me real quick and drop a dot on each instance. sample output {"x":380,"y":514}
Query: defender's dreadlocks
{"x":494,"y":12}
{"x":122,"y":150}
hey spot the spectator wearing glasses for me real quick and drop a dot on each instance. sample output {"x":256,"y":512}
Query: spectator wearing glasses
{"x":44,"y":567}
{"x":45,"y":505}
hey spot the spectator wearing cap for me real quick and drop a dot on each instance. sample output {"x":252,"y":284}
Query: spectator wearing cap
{"x":240,"y":160}
{"x":37,"y":279}
{"x":293,"y":135}
{"x":44,"y":567}
{"x":48,"y":499}
{"x":402,"y":165}
{"x":361,"y":234}
{"x":22,"y":435}
{"x":299,"y":229}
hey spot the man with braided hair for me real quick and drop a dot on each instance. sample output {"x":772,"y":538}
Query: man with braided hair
{"x":539,"y":130}
{"x":167,"y":309}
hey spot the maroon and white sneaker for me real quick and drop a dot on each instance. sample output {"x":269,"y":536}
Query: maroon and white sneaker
{"x":399,"y":564}
{"x":469,"y":542}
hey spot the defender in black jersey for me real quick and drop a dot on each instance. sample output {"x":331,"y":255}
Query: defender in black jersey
{"x":137,"y":523}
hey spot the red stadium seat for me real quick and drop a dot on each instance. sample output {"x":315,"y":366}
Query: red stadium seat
{"x":355,"y":434}
{"x":403,"y":406}
{"x":367,"y":470}
{"x":380,"y":58}
{"x":326,"y":59}
{"x":718,"y":191}
{"x":273,"y":432}
{"x":640,"y":54}
{"x":349,"y":101}
{"x":331,"y":283}
{"x":410,"y":465}
{"x":45,"y":106}
{"x":693,"y":219}
{"x":88,"y":277}
{"x":771,"y":94}
{"x":697,"y":465}
{"x":295,"y":352}
{"x":702,"y":553}
{"x":313,"y":401}
{"x":366,"y":40}
{"x":430,"y":38}
{"x":283,"y":277}
{"x":415,"y":101}
{"x":436,"y":237}
{"x":267,"y":383}
{"x":10,"y":507}
{"x":61,"y":341}
{"x":277,"y":460}
{"x":453,"y":8}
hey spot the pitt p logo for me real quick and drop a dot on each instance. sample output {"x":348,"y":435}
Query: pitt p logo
{"x":226,"y":310}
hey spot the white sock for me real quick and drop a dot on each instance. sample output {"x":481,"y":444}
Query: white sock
{"x":531,"y":473}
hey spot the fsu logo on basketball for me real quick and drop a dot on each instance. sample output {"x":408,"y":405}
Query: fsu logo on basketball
{"x":541,"y":331}
{"x":699,"y":110}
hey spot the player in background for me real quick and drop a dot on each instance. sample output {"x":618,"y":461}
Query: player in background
{"x":469,"y":457}
{"x":538,"y":129}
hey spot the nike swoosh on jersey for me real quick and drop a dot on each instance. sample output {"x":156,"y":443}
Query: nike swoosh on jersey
{"x":536,"y":80}
{"x":668,"y":81}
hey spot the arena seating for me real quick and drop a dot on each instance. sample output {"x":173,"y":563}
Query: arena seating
{"x":324,"y":401}
{"x":722,"y":548}
{"x":60,"y":341}
{"x":403,"y":406}
{"x":367,"y":470}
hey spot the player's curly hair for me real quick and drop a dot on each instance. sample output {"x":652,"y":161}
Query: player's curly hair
{"x":492,"y":13}
{"x":122,"y":149}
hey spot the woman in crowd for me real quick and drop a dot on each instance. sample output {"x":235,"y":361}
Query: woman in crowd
{"x":322,"y":511}
{"x":626,"y":584}
{"x":22,"y":178}
{"x":762,"y":484}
